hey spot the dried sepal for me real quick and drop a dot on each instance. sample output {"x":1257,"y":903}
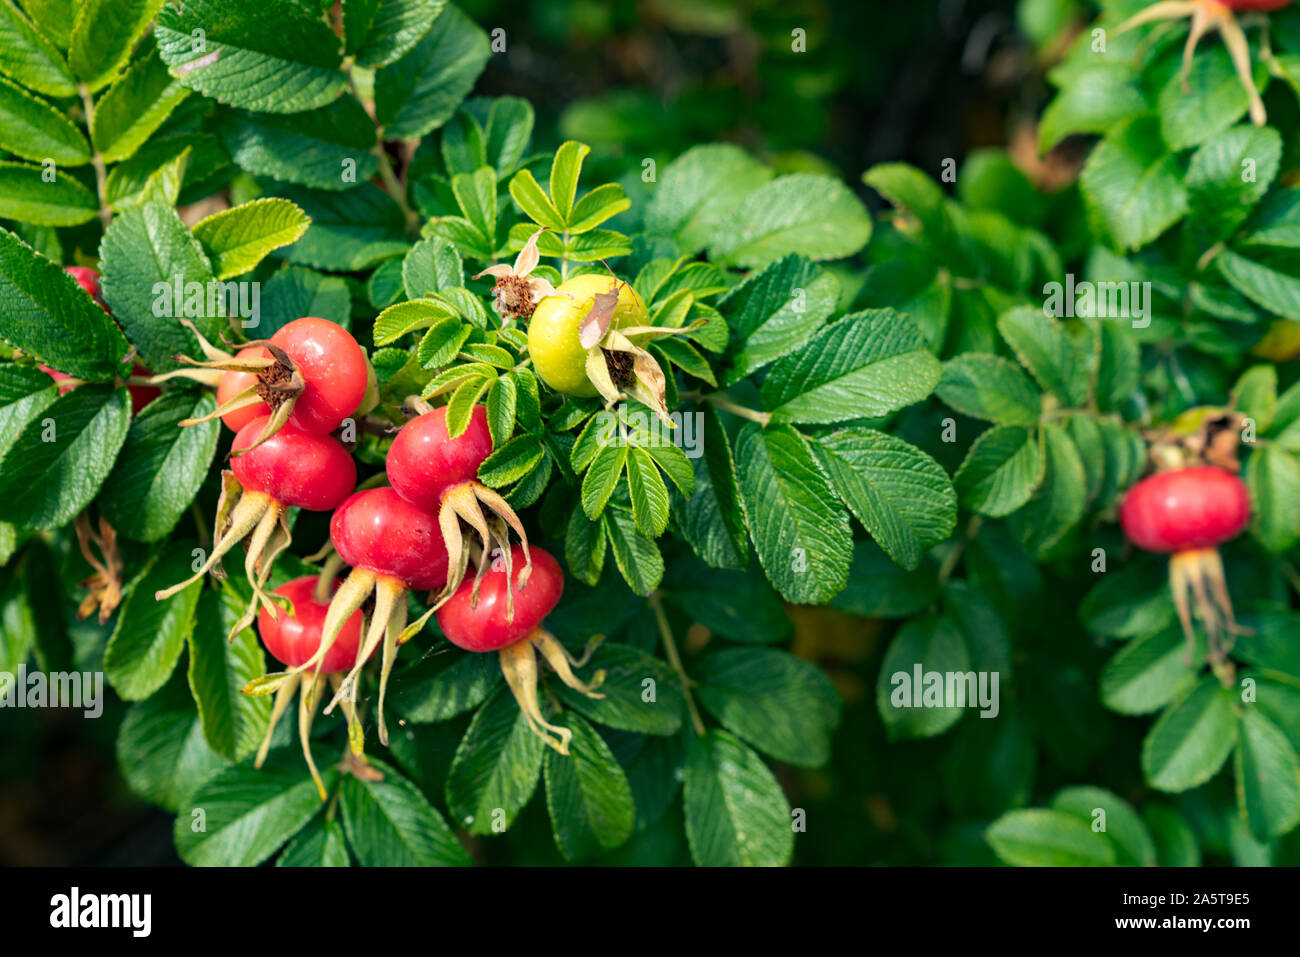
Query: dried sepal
{"x":517,"y":291}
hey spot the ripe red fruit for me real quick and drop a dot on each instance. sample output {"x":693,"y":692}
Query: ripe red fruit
{"x":293,"y":639}
{"x":431,"y":469}
{"x":291,"y":468}
{"x":481,"y":623}
{"x":294,"y":467}
{"x":478,"y":617}
{"x":424,"y":461}
{"x":1187,"y":512}
{"x":1184,"y":509}
{"x":392,"y":546}
{"x":380,"y":531}
{"x":233,"y":384}
{"x":1255,"y":6}
{"x":88,"y":280}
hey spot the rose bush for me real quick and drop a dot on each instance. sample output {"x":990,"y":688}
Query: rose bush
{"x":565,"y":488}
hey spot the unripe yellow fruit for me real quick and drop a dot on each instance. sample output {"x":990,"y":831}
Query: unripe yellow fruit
{"x":558,"y":357}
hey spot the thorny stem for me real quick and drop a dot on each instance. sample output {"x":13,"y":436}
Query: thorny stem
{"x":674,"y":659}
{"x":954,"y":554}
{"x":97,"y":159}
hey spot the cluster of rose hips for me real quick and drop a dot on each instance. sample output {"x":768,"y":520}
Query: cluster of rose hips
{"x":286,"y":398}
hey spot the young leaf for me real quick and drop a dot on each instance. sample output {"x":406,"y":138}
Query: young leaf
{"x":648,"y":493}
{"x":637,"y":557}
{"x":238,"y":239}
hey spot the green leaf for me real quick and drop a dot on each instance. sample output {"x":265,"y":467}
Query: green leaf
{"x":642,"y":693}
{"x":349,"y":231}
{"x":933,"y":647}
{"x":161,"y":466}
{"x":776,"y":311}
{"x":565,"y":170}
{"x":1132,"y":181}
{"x":431,"y":266}
{"x":294,"y":291}
{"x":418,"y":93}
{"x":24,"y":393}
{"x":476,"y":194}
{"x":1043,"y":347}
{"x":867,"y":364}
{"x":1268,"y":776}
{"x":740,"y":605}
{"x":648,"y":492}
{"x":602,"y":478}
{"x":46,"y":314}
{"x":137,"y":103}
{"x":150,"y":635}
{"x":912,"y":192}
{"x":319,"y":844}
{"x":989,"y":387}
{"x":1134,"y":601}
{"x":806,"y":213}
{"x":27,"y":56}
{"x":1256,"y":393}
{"x":58,"y":462}
{"x":532,"y":199}
{"x":29,"y":197}
{"x":161,"y":751}
{"x":1208,"y":101}
{"x":736,"y":813}
{"x":243,"y":815}
{"x":233,"y":723}
{"x":587,"y":794}
{"x":636,"y":556}
{"x":449,"y":691}
{"x":389,"y":823}
{"x":1117,"y":365}
{"x":269,"y":57}
{"x":1126,"y":830}
{"x":712,"y":520}
{"x":1229,"y":174}
{"x":396,"y":26}
{"x":1038,"y":837}
{"x":1176,"y":844}
{"x":785,"y":707}
{"x":147,"y":249}
{"x":1063,"y":496}
{"x":699,"y":191}
{"x":495,"y":768}
{"x":33,"y":130}
{"x":595,"y":207}
{"x":402,"y":318}
{"x":327,"y":148}
{"x":1149,"y":673}
{"x":584,"y":546}
{"x":1273,"y":478}
{"x":103,"y":36}
{"x":901,"y":496}
{"x":511,"y":461}
{"x":238,"y":239}
{"x":1190,"y":741}
{"x":1094,"y":100}
{"x":1001,"y":471}
{"x":801,"y":535}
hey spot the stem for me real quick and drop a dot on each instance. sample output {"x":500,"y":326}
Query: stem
{"x":97,"y":159}
{"x":674,"y":659}
{"x":722,"y":402}
{"x":392,"y":185}
{"x":954,"y":555}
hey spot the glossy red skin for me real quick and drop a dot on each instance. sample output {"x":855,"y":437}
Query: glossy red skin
{"x":233,"y":383}
{"x":310,"y":471}
{"x":333,"y":368}
{"x":1185,"y":509}
{"x":424,"y":461}
{"x":485,"y":626}
{"x":1255,"y":6}
{"x":293,"y":639}
{"x":379,"y":530}
{"x":88,"y":280}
